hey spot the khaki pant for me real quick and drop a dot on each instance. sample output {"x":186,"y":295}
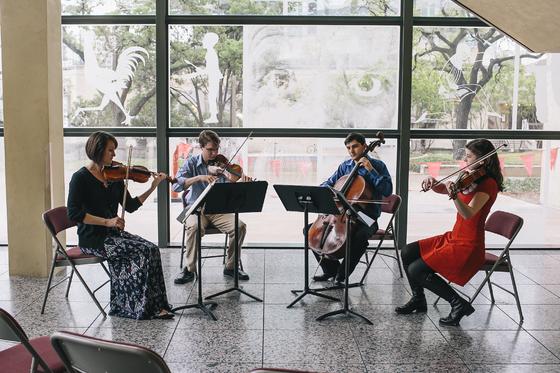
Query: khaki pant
{"x":225,"y":223}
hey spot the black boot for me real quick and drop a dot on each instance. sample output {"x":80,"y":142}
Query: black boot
{"x":416,"y":303}
{"x":459,"y":308}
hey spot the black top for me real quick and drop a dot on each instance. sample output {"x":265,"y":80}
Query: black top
{"x":89,"y":195}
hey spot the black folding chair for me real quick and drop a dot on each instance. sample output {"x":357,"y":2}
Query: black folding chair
{"x":81,"y":353}
{"x":508,"y":226}
{"x":393,"y":202}
{"x":56,"y":221}
{"x":28,"y":355}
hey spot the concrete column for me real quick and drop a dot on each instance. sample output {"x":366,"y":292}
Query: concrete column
{"x":32,"y":78}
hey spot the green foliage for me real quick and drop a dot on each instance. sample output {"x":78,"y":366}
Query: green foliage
{"x":522,"y":184}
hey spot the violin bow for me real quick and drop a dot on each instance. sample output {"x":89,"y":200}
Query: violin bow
{"x":487,"y":155}
{"x":126,"y":182}
{"x":237,"y":151}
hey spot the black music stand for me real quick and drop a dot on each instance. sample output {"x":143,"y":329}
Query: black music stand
{"x":227,"y":198}
{"x":196,"y":208}
{"x":351,"y":216}
{"x":307,"y":199}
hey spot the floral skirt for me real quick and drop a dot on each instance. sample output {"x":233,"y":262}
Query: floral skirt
{"x":137,"y":283}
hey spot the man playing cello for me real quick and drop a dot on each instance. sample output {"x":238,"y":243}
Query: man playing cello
{"x":377,"y":177}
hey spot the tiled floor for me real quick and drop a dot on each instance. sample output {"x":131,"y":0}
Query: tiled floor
{"x":250,"y":334}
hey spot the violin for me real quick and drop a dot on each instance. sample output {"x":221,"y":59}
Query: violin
{"x":118,"y":172}
{"x":231,"y":171}
{"x":465,"y":181}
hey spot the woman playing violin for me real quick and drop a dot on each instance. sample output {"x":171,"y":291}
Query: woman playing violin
{"x":137,"y":282}
{"x":193,"y":177}
{"x":456,"y":255}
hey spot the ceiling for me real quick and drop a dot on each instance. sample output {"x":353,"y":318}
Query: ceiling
{"x":534,"y":24}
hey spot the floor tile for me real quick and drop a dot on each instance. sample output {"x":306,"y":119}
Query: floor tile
{"x":416,"y":368}
{"x":507,"y":347}
{"x":230,"y":316}
{"x":536,"y":317}
{"x":528,"y":294}
{"x":371,"y":294}
{"x":318,"y":346}
{"x":514,"y":368}
{"x":216,"y":346}
{"x":156,"y":339}
{"x":549,"y":338}
{"x":282,"y":294}
{"x":188,"y":367}
{"x":405,"y":347}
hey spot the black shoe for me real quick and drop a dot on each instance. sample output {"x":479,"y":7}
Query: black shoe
{"x":416,"y":303}
{"x":242,"y":275}
{"x":459,"y":308}
{"x":184,"y":277}
{"x":164,"y":316}
{"x":323,"y":277}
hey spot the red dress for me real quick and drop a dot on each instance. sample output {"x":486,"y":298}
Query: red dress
{"x":459,"y":254}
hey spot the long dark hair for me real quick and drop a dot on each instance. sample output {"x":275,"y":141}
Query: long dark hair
{"x":481,"y":147}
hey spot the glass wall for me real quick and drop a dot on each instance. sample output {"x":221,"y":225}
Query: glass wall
{"x":143,"y":221}
{"x":284,"y":76}
{"x":108,"y":7}
{"x":531,"y":175}
{"x":287,"y":8}
{"x":109,"y":76}
{"x":301,"y":161}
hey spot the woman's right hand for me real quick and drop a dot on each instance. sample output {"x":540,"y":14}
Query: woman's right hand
{"x":428,"y":182}
{"x":115,"y":222}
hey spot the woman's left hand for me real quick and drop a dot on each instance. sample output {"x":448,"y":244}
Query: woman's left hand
{"x":158,"y":179}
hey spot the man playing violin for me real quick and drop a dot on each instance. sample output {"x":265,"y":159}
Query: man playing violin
{"x":458,"y":254}
{"x":377,"y":176}
{"x":193,"y":177}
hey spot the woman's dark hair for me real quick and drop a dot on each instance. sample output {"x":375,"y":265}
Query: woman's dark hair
{"x":96,"y":144}
{"x":355,"y":136}
{"x":208,"y":136}
{"x":481,"y":147}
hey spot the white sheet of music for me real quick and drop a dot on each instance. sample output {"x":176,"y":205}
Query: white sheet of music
{"x":183,"y":216}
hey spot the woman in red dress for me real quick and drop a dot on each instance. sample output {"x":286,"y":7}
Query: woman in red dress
{"x":456,"y":255}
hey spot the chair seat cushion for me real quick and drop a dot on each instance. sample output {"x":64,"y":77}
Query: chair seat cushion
{"x":491,"y":259}
{"x":17,"y":359}
{"x":75,"y":253}
{"x":380,"y":234}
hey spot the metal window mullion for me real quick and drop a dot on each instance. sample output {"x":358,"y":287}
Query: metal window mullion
{"x":281,"y":20}
{"x":109,"y":20}
{"x":279,"y":132}
{"x":405,"y":101}
{"x":162,"y":118}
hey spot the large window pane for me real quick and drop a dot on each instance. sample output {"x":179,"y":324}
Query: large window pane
{"x":472,"y":78}
{"x":439,"y":8}
{"x":109,"y":76}
{"x":287,"y":7}
{"x":302,"y":161}
{"x":284,"y":76}
{"x":143,"y":221}
{"x":532,"y":174}
{"x":3,"y":210}
{"x":115,"y":7}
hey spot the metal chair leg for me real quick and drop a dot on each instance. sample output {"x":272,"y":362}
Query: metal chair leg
{"x":397,"y":256}
{"x":490,"y":288}
{"x":49,"y":281}
{"x":182,"y":248}
{"x":69,"y":283}
{"x":516,"y":294}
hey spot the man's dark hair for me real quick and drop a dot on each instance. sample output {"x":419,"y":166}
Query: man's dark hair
{"x":96,"y":144}
{"x":208,"y":136}
{"x":355,"y":136}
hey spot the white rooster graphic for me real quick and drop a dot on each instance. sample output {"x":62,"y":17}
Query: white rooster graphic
{"x":110,"y":83}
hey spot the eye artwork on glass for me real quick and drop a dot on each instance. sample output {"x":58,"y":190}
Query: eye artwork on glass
{"x":110,"y":82}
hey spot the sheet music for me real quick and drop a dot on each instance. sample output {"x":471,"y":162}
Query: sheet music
{"x":183,"y":216}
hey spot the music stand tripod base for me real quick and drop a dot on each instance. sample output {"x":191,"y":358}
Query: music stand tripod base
{"x":346,"y":310}
{"x":235,"y":198}
{"x":205,"y":307}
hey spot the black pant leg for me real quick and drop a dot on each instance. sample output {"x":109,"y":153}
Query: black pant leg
{"x":358,"y":245}
{"x":329,"y":266}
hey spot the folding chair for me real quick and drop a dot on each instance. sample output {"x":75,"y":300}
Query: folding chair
{"x":393,"y":202}
{"x":80,"y":354}
{"x":57,"y":221}
{"x":28,"y":354}
{"x":508,"y":226}
{"x":210,"y":229}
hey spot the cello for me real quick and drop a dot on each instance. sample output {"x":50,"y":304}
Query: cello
{"x":327,"y":235}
